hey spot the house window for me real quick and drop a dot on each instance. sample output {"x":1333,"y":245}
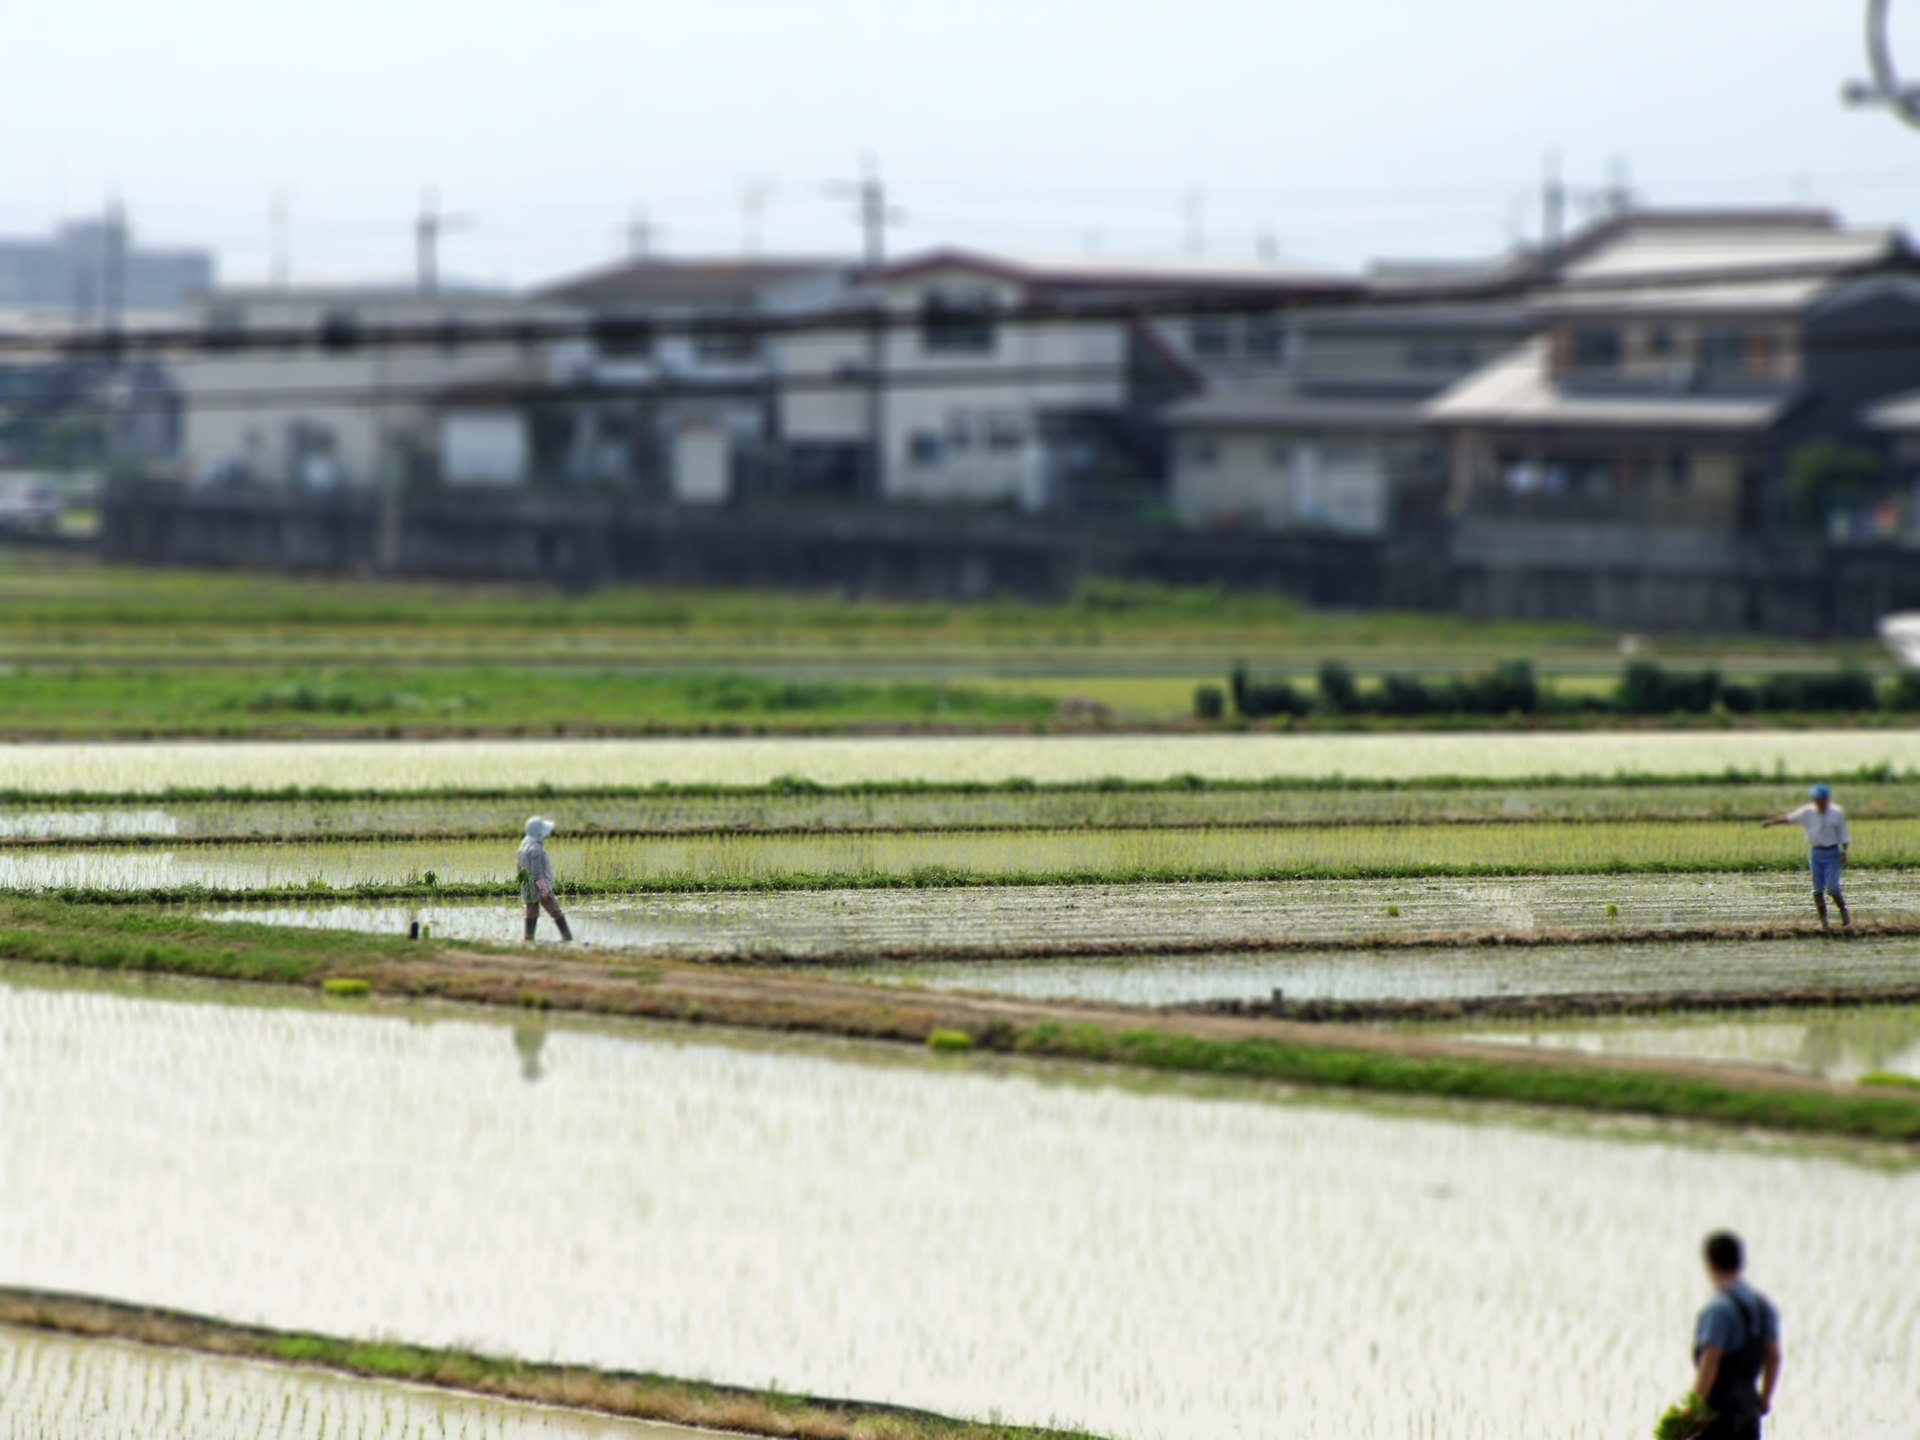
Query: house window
{"x":1201,"y":454}
{"x":1678,"y":470}
{"x":1661,"y":342}
{"x":1280,"y":455}
{"x":957,"y":325}
{"x":621,"y":339}
{"x":1596,"y":349}
{"x":725,"y":342}
{"x":1724,"y":351}
{"x":1449,"y":356}
{"x":1263,"y":338}
{"x":1212,"y":337}
{"x":225,"y":325}
{"x":924,"y":449}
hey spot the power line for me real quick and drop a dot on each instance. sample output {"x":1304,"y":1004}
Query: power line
{"x":1192,"y":295}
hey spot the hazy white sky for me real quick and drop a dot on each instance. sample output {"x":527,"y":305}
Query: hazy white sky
{"x":1344,"y":128}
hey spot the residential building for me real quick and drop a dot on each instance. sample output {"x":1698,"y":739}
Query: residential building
{"x":1340,"y":442}
{"x":667,"y":390}
{"x":299,"y":386}
{"x":1034,"y":383}
{"x":1682,"y":360}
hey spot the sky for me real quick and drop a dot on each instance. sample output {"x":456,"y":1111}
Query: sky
{"x":1336,"y":131}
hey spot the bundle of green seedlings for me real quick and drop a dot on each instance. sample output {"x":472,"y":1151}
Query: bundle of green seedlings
{"x":1684,"y":1419}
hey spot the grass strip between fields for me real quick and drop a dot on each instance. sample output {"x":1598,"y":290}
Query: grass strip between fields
{"x":53,"y":932}
{"x":632,"y":1395}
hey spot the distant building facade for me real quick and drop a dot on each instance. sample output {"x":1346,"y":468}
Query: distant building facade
{"x":90,"y":269}
{"x":327,"y":404}
{"x":1030,"y":383}
{"x":1340,"y":444}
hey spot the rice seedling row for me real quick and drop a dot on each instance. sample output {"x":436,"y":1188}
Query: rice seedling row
{"x":677,"y":1204}
{"x":454,"y":815}
{"x":613,"y":864}
{"x":1105,"y":921}
{"x":152,"y":767}
{"x":59,"y":1388}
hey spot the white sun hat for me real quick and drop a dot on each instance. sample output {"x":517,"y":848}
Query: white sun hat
{"x":538,"y":829}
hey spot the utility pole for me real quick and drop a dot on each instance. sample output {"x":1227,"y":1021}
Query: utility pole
{"x":113,"y":265}
{"x":753,"y":203}
{"x":1553,"y":218}
{"x":642,"y":235}
{"x":427,"y":231}
{"x":277,"y":224}
{"x":869,"y":194}
{"x":1195,"y":210}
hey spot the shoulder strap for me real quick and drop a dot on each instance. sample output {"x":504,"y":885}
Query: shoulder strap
{"x":1749,"y":1317}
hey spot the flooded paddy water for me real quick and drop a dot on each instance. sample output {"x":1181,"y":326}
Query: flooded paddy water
{"x":1044,"y":920}
{"x":1841,"y":1044}
{"x":55,"y":1387}
{"x":1148,"y":1258}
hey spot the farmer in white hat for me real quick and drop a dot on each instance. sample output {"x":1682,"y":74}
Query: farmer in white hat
{"x":1827,"y":842}
{"x":536,"y":878}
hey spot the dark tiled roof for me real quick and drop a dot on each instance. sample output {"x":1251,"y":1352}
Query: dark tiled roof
{"x":712,"y":284}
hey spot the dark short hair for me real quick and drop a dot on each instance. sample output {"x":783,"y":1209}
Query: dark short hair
{"x":1725,"y":1253}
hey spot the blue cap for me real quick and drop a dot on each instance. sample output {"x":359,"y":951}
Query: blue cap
{"x":1821,"y":792}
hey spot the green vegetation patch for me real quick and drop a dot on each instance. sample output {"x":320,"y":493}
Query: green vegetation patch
{"x":1642,"y":1092}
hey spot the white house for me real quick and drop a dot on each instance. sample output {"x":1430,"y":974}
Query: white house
{"x":998,"y":380}
{"x":294,"y":386}
{"x":1339,"y":444}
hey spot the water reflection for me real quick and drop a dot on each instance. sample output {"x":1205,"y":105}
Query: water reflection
{"x":529,"y":1041}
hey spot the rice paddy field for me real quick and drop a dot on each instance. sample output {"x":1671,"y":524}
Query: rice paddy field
{"x":1144,"y":1258}
{"x":59,"y":1388}
{"x":983,"y":1235}
{"x":148,"y":768}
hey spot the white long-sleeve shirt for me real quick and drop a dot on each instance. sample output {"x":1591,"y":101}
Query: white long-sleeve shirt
{"x":1824,"y":827}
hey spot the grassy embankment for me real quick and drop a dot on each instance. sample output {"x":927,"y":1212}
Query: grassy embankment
{"x":52,"y":932}
{"x":622,"y":1393}
{"x":102,"y":651}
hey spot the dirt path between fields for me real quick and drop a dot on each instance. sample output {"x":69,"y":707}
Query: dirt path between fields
{"x":759,"y":998}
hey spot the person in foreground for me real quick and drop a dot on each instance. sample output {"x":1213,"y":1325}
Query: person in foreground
{"x":536,"y":878}
{"x":1827,"y":842}
{"x":1736,"y":1346}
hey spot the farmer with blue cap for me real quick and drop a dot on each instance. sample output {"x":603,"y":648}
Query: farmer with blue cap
{"x":1827,"y":841}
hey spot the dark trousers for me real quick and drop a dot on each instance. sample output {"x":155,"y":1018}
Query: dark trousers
{"x":1733,"y":1427}
{"x":552,"y":907}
